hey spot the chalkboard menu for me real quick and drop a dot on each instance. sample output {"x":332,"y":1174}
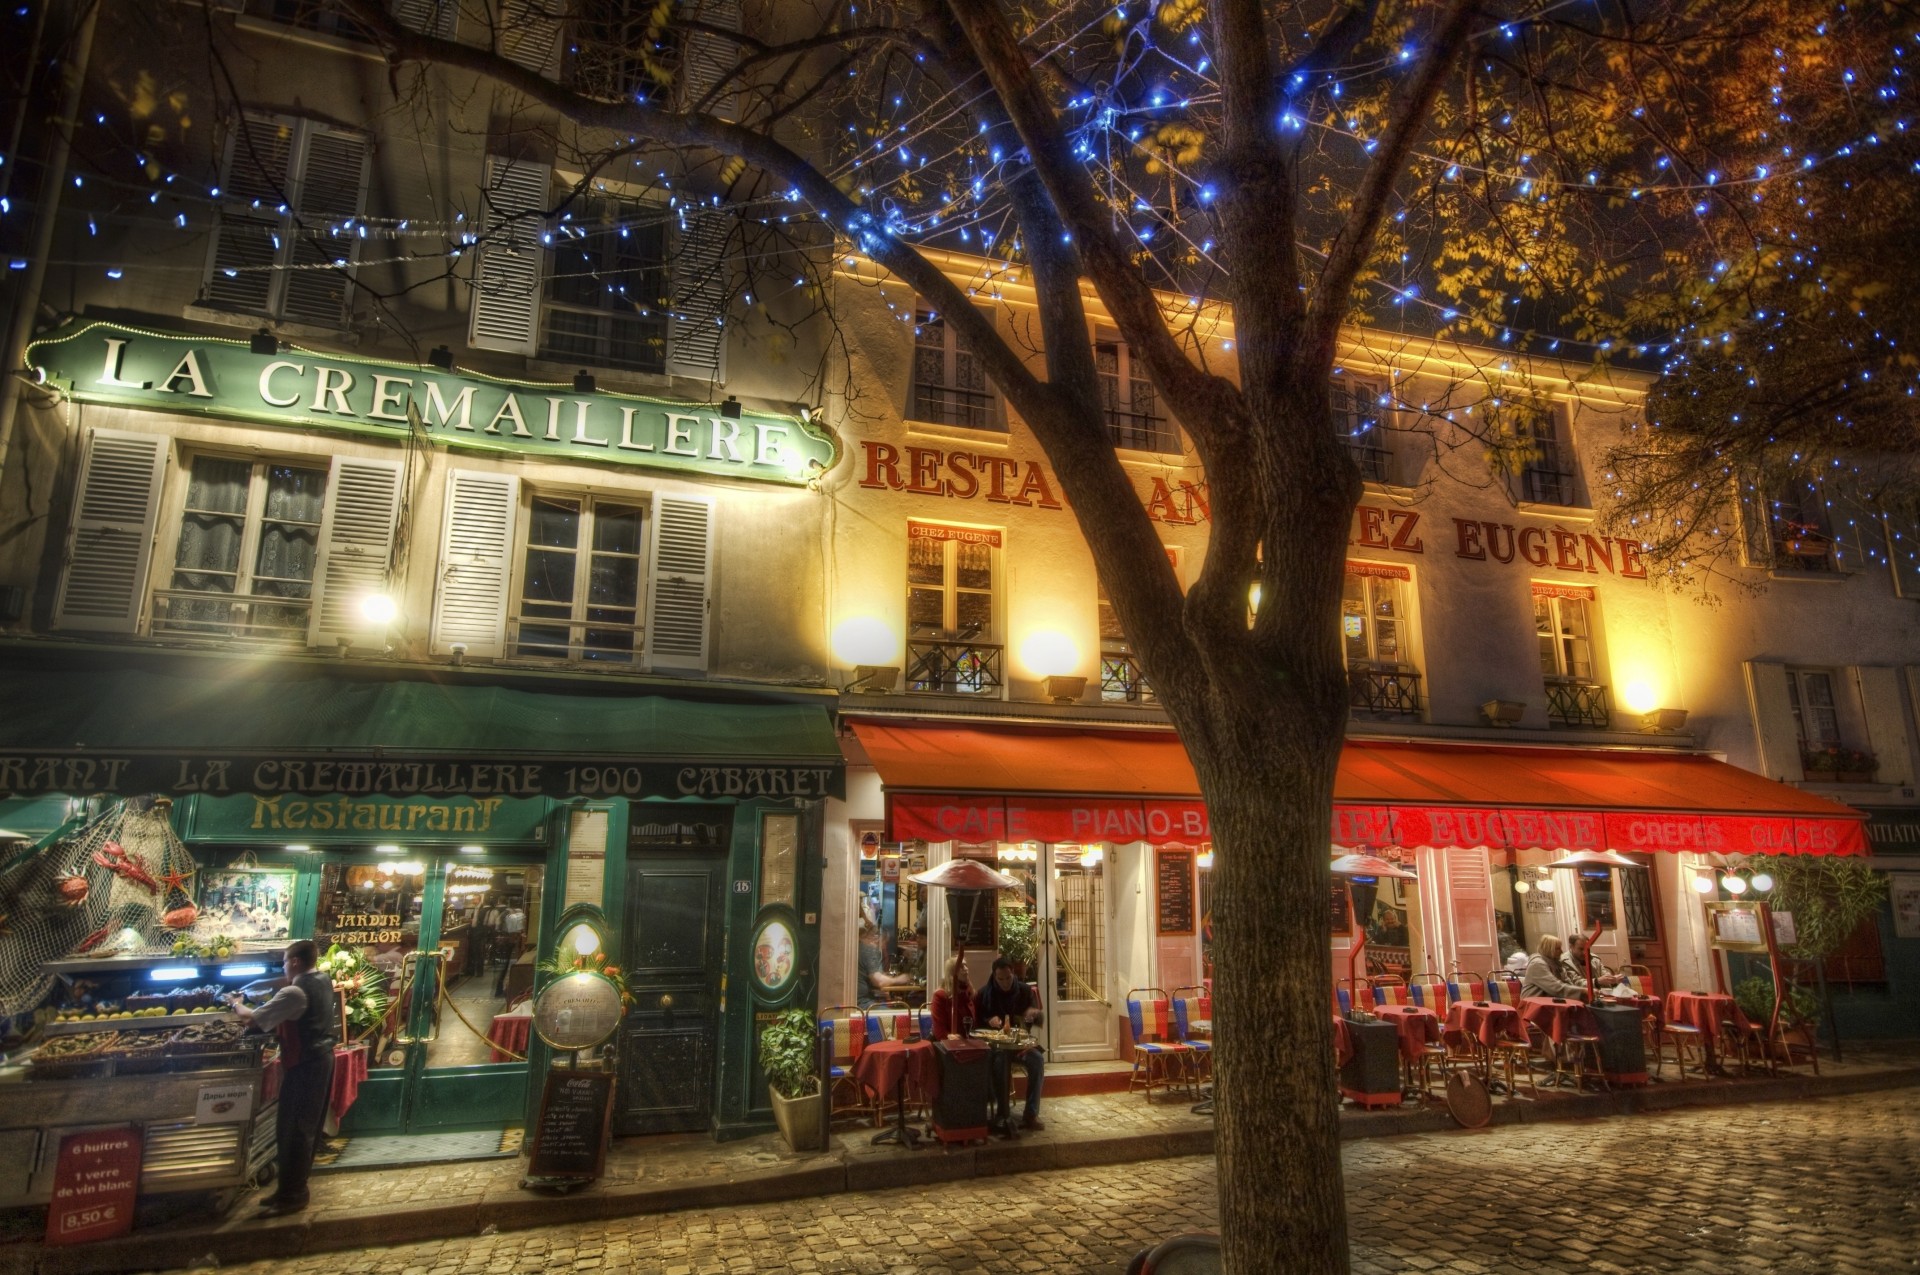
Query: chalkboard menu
{"x":1173,"y":872}
{"x":973,"y":916}
{"x":1339,"y":915}
{"x":570,"y":1139}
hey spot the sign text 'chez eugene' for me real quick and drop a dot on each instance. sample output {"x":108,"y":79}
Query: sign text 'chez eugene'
{"x":963,"y":475}
{"x":214,"y":376}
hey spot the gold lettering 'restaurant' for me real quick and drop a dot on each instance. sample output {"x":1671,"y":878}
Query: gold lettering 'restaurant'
{"x":355,"y":814}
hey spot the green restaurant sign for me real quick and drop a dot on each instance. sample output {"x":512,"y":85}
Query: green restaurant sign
{"x":99,"y":362}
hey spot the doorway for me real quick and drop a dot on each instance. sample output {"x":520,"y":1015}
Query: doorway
{"x":1074,"y":958}
{"x":1646,"y":942}
{"x":674,"y":935}
{"x":453,"y":941}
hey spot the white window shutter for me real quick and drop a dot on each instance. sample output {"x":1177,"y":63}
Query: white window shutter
{"x":476,"y":561}
{"x":696,"y":335}
{"x":1886,"y":713}
{"x":438,"y":18}
{"x":679,"y":582}
{"x":506,"y":294}
{"x":110,"y":542}
{"x":709,"y":58}
{"x":332,"y":192}
{"x":256,"y":178}
{"x":1773,"y":721}
{"x":530,"y":36}
{"x":1476,"y":945}
{"x":356,"y":550}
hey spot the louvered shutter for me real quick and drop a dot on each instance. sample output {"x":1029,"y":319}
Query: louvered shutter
{"x":356,"y":549}
{"x":476,"y":559}
{"x":1886,"y":714}
{"x":332,"y":191}
{"x":696,"y":337}
{"x":111,"y":539}
{"x":709,"y":58}
{"x":439,"y":18}
{"x":256,"y":180}
{"x":1773,"y":721}
{"x":1756,"y":523}
{"x":1470,"y":900}
{"x":506,"y":295}
{"x":529,"y":37}
{"x":679,"y":579}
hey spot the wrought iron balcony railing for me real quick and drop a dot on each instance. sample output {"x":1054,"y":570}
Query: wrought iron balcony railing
{"x":954,"y":668}
{"x":1383,"y":691}
{"x":1579,"y":704}
{"x":252,"y":617}
{"x":1142,"y":431}
{"x":1122,"y":681}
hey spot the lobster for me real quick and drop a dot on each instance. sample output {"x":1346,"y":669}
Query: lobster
{"x":128,"y":867}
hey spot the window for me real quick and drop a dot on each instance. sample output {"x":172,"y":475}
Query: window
{"x":1122,"y":680}
{"x":580,"y":581}
{"x":283,"y":249}
{"x":605,"y":302}
{"x":1357,"y":409}
{"x":949,"y":382}
{"x":1373,"y":638}
{"x":1133,"y":411}
{"x":1816,"y":716}
{"x":620,"y":51}
{"x":1802,"y":533}
{"x":1563,"y":625}
{"x":1546,"y":475}
{"x":249,"y":542}
{"x":950,"y":603}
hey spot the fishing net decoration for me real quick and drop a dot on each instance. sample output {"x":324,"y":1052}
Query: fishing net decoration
{"x":124,"y":870}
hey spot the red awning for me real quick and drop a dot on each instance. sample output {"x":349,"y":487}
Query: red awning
{"x":977,"y":783}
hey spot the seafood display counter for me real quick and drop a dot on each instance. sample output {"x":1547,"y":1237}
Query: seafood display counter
{"x":165,"y":1059}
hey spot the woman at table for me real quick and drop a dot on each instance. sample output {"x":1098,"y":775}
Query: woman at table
{"x":953,"y":1007}
{"x":1543,"y":973}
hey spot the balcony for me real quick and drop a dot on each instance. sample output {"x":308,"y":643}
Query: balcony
{"x":1142,"y":431}
{"x":936,"y":667}
{"x":954,"y":405}
{"x":1383,"y":690}
{"x":1582,"y":705}
{"x":1122,"y":681}
{"x":1544,"y":485}
{"x":251,"y":617}
{"x":1370,"y":460}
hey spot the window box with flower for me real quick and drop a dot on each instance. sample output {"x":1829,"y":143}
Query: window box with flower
{"x":1837,"y":765}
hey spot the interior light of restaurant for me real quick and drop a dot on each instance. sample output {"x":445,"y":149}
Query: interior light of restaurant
{"x":473,"y":849}
{"x":386,"y":849}
{"x":1762,"y":881}
{"x":1092,"y":855}
{"x":1522,"y":886}
{"x":1734,"y":885}
{"x":1703,"y":883}
{"x":299,"y":849}
{"x":583,"y":940}
{"x":1204,"y":861}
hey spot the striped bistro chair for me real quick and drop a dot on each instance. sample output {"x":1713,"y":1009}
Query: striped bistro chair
{"x":1429,"y":992}
{"x":1159,"y":1057}
{"x":1186,"y":1011}
{"x":1464,"y":990}
{"x":1394,"y":993}
{"x":845,"y":1028}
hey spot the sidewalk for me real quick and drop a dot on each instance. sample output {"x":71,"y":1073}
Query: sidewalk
{"x":655,"y":1175}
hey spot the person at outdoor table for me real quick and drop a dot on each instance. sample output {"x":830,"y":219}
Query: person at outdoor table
{"x":1543,"y":973}
{"x":303,"y":1015}
{"x":1574,"y":967}
{"x":876,"y":984}
{"x":954,"y":1010}
{"x":1006,"y":1003}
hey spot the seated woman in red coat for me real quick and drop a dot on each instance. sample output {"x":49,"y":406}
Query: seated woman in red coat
{"x":954,"y":1015}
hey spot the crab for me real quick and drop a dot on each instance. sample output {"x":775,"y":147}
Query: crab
{"x":180,"y":918}
{"x":72,"y":889}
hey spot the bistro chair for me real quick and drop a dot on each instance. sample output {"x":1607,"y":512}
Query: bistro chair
{"x":1429,"y":991}
{"x":1391,"y":992}
{"x":845,"y":1029}
{"x":1159,"y":1057}
{"x":1187,"y":1010}
{"x":1462,"y":990}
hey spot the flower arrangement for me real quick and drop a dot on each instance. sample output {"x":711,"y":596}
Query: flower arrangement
{"x":360,"y":985}
{"x":1834,"y":760}
{"x":592,"y":963}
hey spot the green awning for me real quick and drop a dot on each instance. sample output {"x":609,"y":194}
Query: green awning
{"x":244,"y":724}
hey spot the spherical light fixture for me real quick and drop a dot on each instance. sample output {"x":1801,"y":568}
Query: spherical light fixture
{"x":1522,"y":887}
{"x":378,"y":608}
{"x":1734,"y":885}
{"x":1763,"y":881}
{"x":1702,"y":883}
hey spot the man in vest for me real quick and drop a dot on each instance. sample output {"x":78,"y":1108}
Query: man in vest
{"x":305,"y":1018}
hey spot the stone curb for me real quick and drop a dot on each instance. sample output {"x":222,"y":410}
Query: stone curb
{"x":850,"y":1168}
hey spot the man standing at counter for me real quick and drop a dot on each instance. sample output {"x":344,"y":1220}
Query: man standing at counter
{"x":303,"y":1014}
{"x":1007,"y":1004}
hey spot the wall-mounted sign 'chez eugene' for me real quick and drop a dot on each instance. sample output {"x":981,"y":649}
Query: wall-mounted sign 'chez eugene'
{"x":216,"y":376}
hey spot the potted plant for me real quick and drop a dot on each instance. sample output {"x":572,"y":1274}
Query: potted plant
{"x":1016,"y":939}
{"x":788,"y":1046}
{"x":1840,"y":765}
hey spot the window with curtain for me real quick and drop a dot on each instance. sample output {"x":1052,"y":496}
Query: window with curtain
{"x":1563,"y":627}
{"x":580,"y":580}
{"x":605,"y":303}
{"x":949,"y":381}
{"x":249,"y":538}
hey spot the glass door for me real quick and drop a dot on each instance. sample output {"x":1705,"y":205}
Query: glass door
{"x":1073,"y":903}
{"x":454,"y":943}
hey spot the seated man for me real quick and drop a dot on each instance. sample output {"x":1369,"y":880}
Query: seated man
{"x":1006,"y":1003}
{"x":1574,"y":967}
{"x":1543,"y":973}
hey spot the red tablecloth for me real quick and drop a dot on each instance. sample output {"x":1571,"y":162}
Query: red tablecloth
{"x":882,"y":1066}
{"x":1417,"y":1027}
{"x":349,"y":1070}
{"x":1707,"y":1011}
{"x":1645,"y":1004}
{"x":509,"y":1032}
{"x":1342,"y":1043}
{"x":1558,"y":1018}
{"x":1486,"y":1022}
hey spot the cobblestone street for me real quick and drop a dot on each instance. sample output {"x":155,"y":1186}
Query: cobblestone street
{"x":1827,"y":1186}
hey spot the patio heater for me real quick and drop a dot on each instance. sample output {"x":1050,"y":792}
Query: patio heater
{"x":1363,"y":873}
{"x":1596,"y":869}
{"x":970,"y":886}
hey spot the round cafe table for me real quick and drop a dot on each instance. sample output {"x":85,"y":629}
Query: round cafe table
{"x":1558,"y":1017}
{"x":1708,"y":1012}
{"x":1486,"y":1022}
{"x":1417,"y":1028}
{"x":507,"y":1036}
{"x":886,"y":1066}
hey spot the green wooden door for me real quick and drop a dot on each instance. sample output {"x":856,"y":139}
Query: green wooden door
{"x":673,"y":940}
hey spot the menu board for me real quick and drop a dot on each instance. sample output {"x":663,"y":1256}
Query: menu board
{"x":570,"y":1137}
{"x":1173,"y":879}
{"x":95,"y":1179}
{"x":1338,"y":917}
{"x":973,"y":917}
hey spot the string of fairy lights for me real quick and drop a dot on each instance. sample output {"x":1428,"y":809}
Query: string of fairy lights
{"x":926,"y":170}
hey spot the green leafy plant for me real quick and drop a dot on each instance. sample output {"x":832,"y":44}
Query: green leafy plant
{"x":1016,"y":935}
{"x":1828,"y":896}
{"x":1839,"y":761}
{"x":787,"y":1046}
{"x":1755,"y":998}
{"x":359,"y":983}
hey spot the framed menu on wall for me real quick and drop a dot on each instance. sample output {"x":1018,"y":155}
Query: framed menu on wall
{"x":1173,"y":891}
